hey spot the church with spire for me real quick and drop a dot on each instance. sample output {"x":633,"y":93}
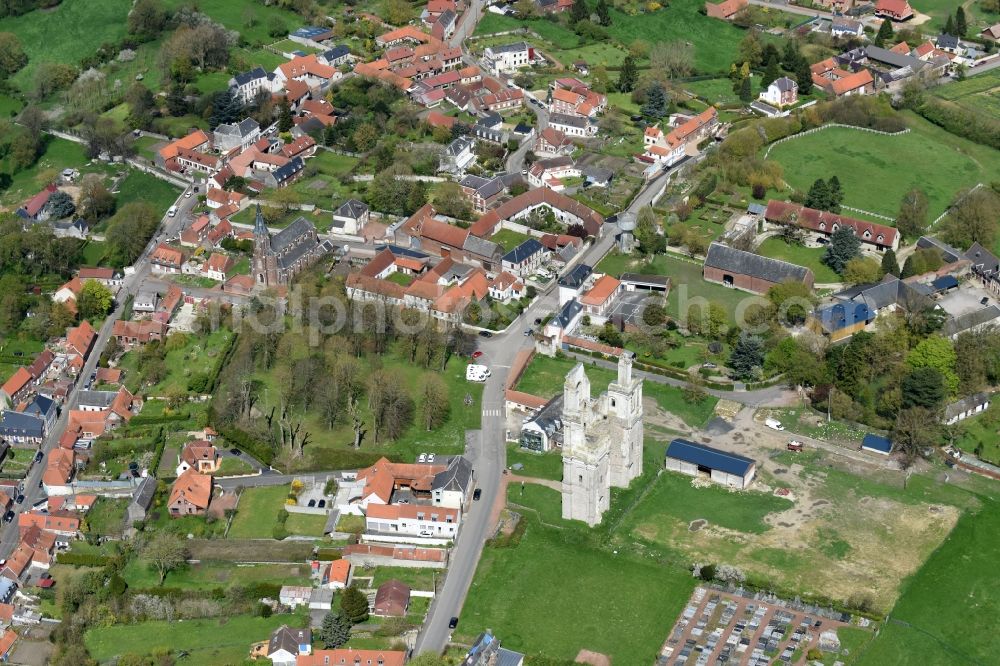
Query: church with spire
{"x":278,"y":258}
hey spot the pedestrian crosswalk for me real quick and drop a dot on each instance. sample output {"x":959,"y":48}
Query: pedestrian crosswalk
{"x":492,"y":412}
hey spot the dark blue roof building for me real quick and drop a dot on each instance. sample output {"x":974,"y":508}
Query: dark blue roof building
{"x":723,"y":467}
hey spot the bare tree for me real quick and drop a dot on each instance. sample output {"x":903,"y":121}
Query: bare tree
{"x":434,"y":405}
{"x":165,"y":552}
{"x":674,"y":58}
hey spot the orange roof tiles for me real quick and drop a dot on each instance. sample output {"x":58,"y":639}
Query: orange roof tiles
{"x":17,"y":382}
{"x":194,"y":487}
{"x":601,"y":291}
{"x":194,"y":140}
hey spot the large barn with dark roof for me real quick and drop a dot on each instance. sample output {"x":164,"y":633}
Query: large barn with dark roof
{"x":722,"y":467}
{"x":751,"y":272}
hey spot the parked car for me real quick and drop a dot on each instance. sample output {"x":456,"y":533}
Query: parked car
{"x":9,"y":516}
{"x":311,"y":503}
{"x":529,"y":333}
{"x":485,"y":334}
{"x":321,"y":504}
{"x":774,"y":424}
{"x":452,"y":623}
{"x":709,"y":365}
{"x":430,"y":457}
{"x":477,"y":494}
{"x":235,"y":452}
{"x":39,"y":456}
{"x":794,"y":445}
{"x":426,"y":533}
{"x":20,"y":498}
{"x":477,"y":354}
{"x":422,"y":458}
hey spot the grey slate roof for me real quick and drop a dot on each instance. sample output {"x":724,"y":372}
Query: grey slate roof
{"x":567,"y":313}
{"x":458,"y":476}
{"x":965,"y":404}
{"x":458,"y":146}
{"x":490,"y":188}
{"x":351,"y":208}
{"x":948,"y":253}
{"x":480,"y":246}
{"x":246,"y":77}
{"x":243,"y":128}
{"x":947,"y":41}
{"x":284,"y":239}
{"x":971,"y":320}
{"x":285,"y":172}
{"x":143,"y":495}
{"x":576,"y":277}
{"x":337,"y":52}
{"x":524,"y":251}
{"x":699,"y":454}
{"x":890,"y":291}
{"x":982,"y":259}
{"x":16,"y":424}
{"x":638,"y":278}
{"x":100,"y":399}
{"x":40,"y":406}
{"x":513,"y":47}
{"x":785,"y":84}
{"x":730,"y":259}
{"x":284,"y":637}
{"x":568,"y":120}
{"x":893,"y":59}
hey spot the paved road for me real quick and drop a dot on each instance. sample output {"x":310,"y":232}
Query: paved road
{"x":32,"y":489}
{"x":488,"y":455}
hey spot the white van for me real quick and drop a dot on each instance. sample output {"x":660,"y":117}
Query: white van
{"x":172,"y":211}
{"x":476,"y":373}
{"x":774,"y":424}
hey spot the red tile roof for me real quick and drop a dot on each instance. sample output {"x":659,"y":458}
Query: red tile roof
{"x":17,"y":382}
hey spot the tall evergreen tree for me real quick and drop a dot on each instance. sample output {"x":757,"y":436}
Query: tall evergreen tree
{"x":746,"y":90}
{"x":836,"y":194}
{"x":790,"y":56}
{"x":656,"y":102}
{"x":771,"y":72}
{"x":949,"y":26}
{"x":226,"y":108}
{"x":961,"y":23}
{"x":889,"y":263}
{"x":603,"y":13}
{"x":804,"y":77}
{"x":818,"y":196}
{"x":284,"y":115}
{"x":628,"y":76}
{"x":177,"y":104}
{"x":335,"y":631}
{"x":843,"y":247}
{"x":884,"y":33}
{"x":353,"y":605}
{"x":579,"y":11}
{"x":747,"y":356}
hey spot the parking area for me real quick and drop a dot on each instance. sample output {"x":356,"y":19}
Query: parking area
{"x":719,"y":627}
{"x":631,"y":304}
{"x":967,"y":298}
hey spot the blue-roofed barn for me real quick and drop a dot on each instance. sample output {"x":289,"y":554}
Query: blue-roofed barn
{"x":724,"y":468}
{"x":876,"y":444}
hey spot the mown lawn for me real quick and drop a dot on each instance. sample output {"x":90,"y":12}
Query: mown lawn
{"x":509,"y":238}
{"x":715,"y":91}
{"x":208,"y":575}
{"x":58,"y":154}
{"x":107,"y":516}
{"x":947,"y":612}
{"x":305,"y":524}
{"x":545,"y":376}
{"x":876,"y":171}
{"x":257,"y":512}
{"x":252,"y":20}
{"x":810,"y":257}
{"x":66,"y":33}
{"x":208,"y":642}
{"x":541,"y":465}
{"x":673,"y":495}
{"x":556,"y":592}
{"x":139,"y":186}
{"x":687,"y":284}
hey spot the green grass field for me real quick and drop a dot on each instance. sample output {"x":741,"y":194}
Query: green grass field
{"x":139,"y":186}
{"x":58,"y":155}
{"x":715,"y":42}
{"x":687,"y":283}
{"x":551,"y":31}
{"x":801,"y":255}
{"x":208,"y":575}
{"x":509,"y":238}
{"x":305,"y":524}
{"x":715,"y":91}
{"x":66,"y":33}
{"x":208,"y":642}
{"x":251,"y":20}
{"x":876,"y":171}
{"x":948,"y":609}
{"x":524,"y":595}
{"x":980,"y":93}
{"x":107,"y":516}
{"x":545,"y":376}
{"x":673,"y":495}
{"x":257,"y":512}
{"x":541,"y":465}
{"x":199,"y":356}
